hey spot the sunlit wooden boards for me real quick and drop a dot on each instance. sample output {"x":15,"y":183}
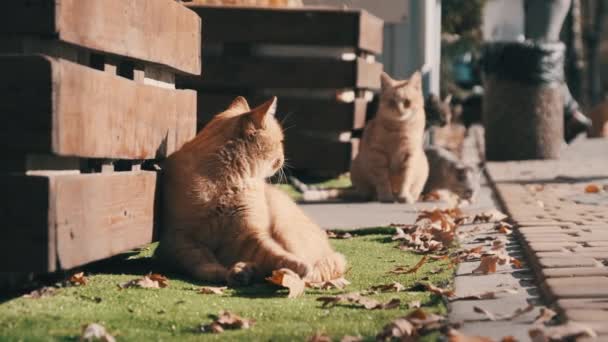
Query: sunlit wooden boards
{"x":157,"y":31}
{"x":306,"y":57}
{"x":89,"y":105}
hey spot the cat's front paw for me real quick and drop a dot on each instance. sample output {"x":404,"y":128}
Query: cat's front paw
{"x":386,"y":198}
{"x":298,"y":266}
{"x":241,"y":274}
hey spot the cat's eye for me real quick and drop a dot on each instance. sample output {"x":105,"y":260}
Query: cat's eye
{"x":406,"y":103}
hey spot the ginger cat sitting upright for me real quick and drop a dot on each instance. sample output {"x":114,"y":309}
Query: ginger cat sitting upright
{"x":223,"y":222}
{"x":391,"y":164}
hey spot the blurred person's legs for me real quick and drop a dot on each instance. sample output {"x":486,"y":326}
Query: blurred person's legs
{"x":543,"y":22}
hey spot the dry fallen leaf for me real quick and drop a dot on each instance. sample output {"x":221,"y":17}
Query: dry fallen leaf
{"x":357,"y":298}
{"x":592,"y":189}
{"x":516,"y":263}
{"x":149,"y":281}
{"x":487,"y":265}
{"x":78,"y":279}
{"x":490,"y":316}
{"x":95,"y":332}
{"x":338,"y":235}
{"x":319,"y":337}
{"x":392,"y":287}
{"x":484,"y":295}
{"x":504,"y":228}
{"x":456,"y":336}
{"x":288,"y":279}
{"x":568,"y":331}
{"x":400,"y":328}
{"x":544,"y":316}
{"x":338,"y":283}
{"x":227,"y":320}
{"x":439,"y":291}
{"x":212,"y":290}
{"x":489,"y":216}
{"x":415,"y":304}
{"x":45,"y":291}
{"x":414,"y":269}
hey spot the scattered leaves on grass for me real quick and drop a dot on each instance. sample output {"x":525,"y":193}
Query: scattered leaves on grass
{"x":358,"y":299}
{"x":338,"y":283}
{"x":433,"y":231}
{"x":212,"y":290}
{"x":227,"y":320}
{"x":456,"y":336}
{"x":46,"y":291}
{"x":78,"y":279}
{"x":414,"y":269}
{"x":400,"y":328}
{"x":484,"y":295}
{"x":592,"y":189}
{"x":339,"y":235}
{"x":95,"y":332}
{"x":392,"y":287}
{"x":570,"y":330}
{"x":288,"y":279}
{"x":544,"y":316}
{"x":410,"y":327}
{"x":149,"y":281}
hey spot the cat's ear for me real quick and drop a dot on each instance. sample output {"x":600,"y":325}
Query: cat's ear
{"x":386,"y":81}
{"x":261,"y":112}
{"x":239,"y":104}
{"x":416,"y":80}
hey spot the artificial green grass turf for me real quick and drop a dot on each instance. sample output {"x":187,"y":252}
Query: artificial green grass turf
{"x":340,"y":182}
{"x":176,"y":312}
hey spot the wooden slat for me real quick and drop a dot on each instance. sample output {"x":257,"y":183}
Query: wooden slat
{"x":295,"y":113}
{"x":61,"y":221}
{"x":55,"y":106}
{"x":293,"y":26}
{"x":158,"y":31}
{"x":28,"y":242}
{"x":315,"y":154}
{"x":231,"y":72}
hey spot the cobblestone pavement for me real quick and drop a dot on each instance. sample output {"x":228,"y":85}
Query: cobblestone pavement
{"x":563,"y":228}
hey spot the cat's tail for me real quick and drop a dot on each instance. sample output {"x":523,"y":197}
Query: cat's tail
{"x":331,"y":267}
{"x":317,"y":194}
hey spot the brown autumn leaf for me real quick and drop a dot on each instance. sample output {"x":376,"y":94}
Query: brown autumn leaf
{"x":568,"y":331}
{"x":46,"y":291}
{"x":414,"y":269}
{"x":95,"y":332}
{"x":544,"y":316}
{"x":358,"y":299}
{"x":288,"y":279}
{"x":504,"y":228}
{"x":516,"y":263}
{"x":489,"y":216}
{"x":338,"y":283}
{"x":456,"y":336}
{"x":415,"y":304}
{"x":227,"y":320}
{"x":592,"y":189}
{"x":149,"y":281}
{"x":487,"y":265}
{"x":400,"y":328}
{"x":319,"y":337}
{"x":212,"y":290}
{"x":438,"y":291}
{"x":338,"y":235}
{"x":490,"y":316}
{"x":392,"y":287}
{"x":484,"y":295}
{"x":78,"y":279}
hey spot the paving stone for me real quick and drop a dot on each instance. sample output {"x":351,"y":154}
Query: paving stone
{"x":597,"y":243}
{"x":552,"y":246}
{"x":568,"y":272}
{"x":578,"y":287}
{"x":586,"y":315}
{"x":583,"y":303}
{"x":570,"y":261}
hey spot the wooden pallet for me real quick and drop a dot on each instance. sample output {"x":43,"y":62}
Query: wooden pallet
{"x":258,"y":53}
{"x":86,"y":113}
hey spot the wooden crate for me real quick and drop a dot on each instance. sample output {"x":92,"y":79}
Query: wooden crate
{"x":86,"y":112}
{"x":257,"y":52}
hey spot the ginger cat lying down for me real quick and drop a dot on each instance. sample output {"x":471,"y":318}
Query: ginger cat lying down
{"x":223,"y":222}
